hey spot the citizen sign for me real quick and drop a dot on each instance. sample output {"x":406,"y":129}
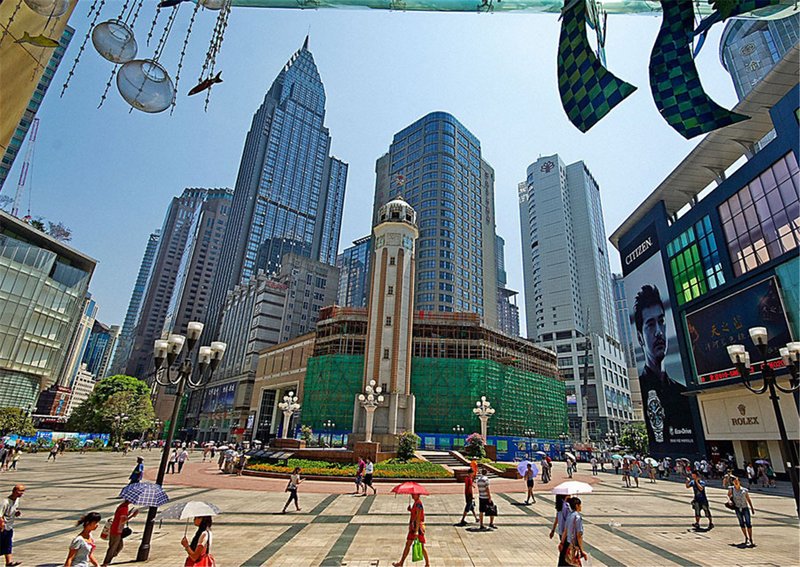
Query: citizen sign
{"x":639,"y":250}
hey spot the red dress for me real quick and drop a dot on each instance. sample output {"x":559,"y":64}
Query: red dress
{"x":418,"y":519}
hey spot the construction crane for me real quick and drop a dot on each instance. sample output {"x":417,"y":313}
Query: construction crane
{"x":23,"y":174}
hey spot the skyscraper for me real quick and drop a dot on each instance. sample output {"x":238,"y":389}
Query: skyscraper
{"x":26,"y":120}
{"x":749,"y":49}
{"x":98,"y":349}
{"x":435,"y":164}
{"x":289,"y":191}
{"x":354,"y":265}
{"x":568,"y":299}
{"x":507,"y":310}
{"x":175,"y":234}
{"x":125,"y":340}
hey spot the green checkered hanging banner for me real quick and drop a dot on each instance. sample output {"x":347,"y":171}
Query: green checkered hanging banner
{"x":588,"y":90}
{"x":674,"y":80}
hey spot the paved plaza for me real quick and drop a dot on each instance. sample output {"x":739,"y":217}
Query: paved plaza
{"x":645,"y":526}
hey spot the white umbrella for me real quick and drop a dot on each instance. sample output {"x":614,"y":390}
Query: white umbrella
{"x":570,"y":455}
{"x":651,"y":461}
{"x":187,"y":510}
{"x":572,"y":487}
{"x":223,"y":448}
{"x":629,"y":457}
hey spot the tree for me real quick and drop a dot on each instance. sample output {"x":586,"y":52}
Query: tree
{"x":14,"y":420}
{"x":634,"y":436}
{"x":59,"y":231}
{"x":306,"y":434}
{"x":112,"y":396}
{"x":407,"y":446}
{"x":475,"y":446}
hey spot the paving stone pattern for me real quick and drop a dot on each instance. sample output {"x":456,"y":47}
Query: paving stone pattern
{"x":650,"y":525}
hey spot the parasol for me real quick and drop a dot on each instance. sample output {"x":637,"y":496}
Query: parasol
{"x":522,"y":468}
{"x":144,"y":494}
{"x":572,"y":487}
{"x":410,"y":488}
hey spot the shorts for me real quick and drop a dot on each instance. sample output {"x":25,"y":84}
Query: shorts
{"x":743,"y":515}
{"x":368,"y":479}
{"x":700,"y":506}
{"x":483,"y":505}
{"x":530,"y":483}
{"x":469,"y":503}
{"x":6,"y":542}
{"x":412,"y":536}
{"x":359,"y":478}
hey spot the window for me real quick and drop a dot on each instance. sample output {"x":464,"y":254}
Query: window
{"x":388,"y":321}
{"x":694,"y":262}
{"x":391,"y":261}
{"x":762,"y":221}
{"x":386,"y":354}
{"x":390,"y":290}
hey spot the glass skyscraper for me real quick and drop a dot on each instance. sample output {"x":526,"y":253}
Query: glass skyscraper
{"x":435,"y":164}
{"x":289,"y":191}
{"x":354,"y":265}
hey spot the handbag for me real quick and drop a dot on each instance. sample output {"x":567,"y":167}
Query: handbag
{"x":573,"y":556}
{"x":126,"y":531}
{"x":730,"y":505}
{"x":416,"y":551}
{"x":491,"y":510}
{"x":106,"y":529}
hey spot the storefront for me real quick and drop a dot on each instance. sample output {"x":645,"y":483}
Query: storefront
{"x":732,"y":414}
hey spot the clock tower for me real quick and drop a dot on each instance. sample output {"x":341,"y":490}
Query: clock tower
{"x":390,"y":316}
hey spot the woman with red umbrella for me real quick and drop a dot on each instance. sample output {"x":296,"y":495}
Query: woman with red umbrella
{"x":416,"y":523}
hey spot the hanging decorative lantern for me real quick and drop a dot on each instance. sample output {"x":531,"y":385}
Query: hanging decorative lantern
{"x":114,"y":40}
{"x":211,"y":4}
{"x":145,"y":85}
{"x":48,"y":8}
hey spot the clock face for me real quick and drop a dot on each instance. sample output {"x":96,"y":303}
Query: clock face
{"x":548,"y":166}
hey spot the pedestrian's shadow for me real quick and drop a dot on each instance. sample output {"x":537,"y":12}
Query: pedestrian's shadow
{"x":519,"y":504}
{"x":50,"y":565}
{"x":739,"y":545}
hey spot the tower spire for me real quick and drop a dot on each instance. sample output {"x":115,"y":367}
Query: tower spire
{"x":305,"y":43}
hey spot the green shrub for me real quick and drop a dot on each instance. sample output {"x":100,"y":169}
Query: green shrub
{"x":407,"y":445}
{"x":393,"y":468}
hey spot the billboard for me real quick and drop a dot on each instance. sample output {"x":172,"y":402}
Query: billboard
{"x":667,"y":411}
{"x":219,"y":398}
{"x":727,"y":321}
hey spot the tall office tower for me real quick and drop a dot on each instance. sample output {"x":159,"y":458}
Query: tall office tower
{"x":390,"y":316}
{"x":354,"y":265}
{"x":175,"y":234}
{"x":623,"y":314}
{"x":78,"y":342}
{"x":289,"y":191}
{"x":507,"y":309}
{"x":125,"y":340}
{"x":35,"y":102}
{"x":568,"y":298}
{"x":435,"y":164}
{"x":98,"y":349}
{"x":749,"y":49}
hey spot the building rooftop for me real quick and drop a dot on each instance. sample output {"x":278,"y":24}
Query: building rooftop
{"x":709,"y":160}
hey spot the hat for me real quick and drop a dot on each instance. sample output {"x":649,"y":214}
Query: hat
{"x":139,"y":459}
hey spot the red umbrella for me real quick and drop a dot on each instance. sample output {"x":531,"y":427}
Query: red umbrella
{"x":410,"y":488}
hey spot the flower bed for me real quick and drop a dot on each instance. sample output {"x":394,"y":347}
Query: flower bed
{"x":393,"y":468}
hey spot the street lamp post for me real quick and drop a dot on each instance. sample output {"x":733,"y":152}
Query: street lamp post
{"x":484,"y":410}
{"x":530,"y":434}
{"x":165,"y":355}
{"x":741,"y":358}
{"x":459,"y":431}
{"x":288,"y":406}
{"x":370,"y":400}
{"x":329,"y":425}
{"x":119,"y":419}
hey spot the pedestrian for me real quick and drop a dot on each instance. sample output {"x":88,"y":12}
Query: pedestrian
{"x":182,"y":456}
{"x":626,"y":472}
{"x":3,"y":457}
{"x":416,"y":530}
{"x":469,"y":498}
{"x":743,"y":507}
{"x":763,"y":481}
{"x":770,"y":473}
{"x":700,"y":500}
{"x":572,"y":538}
{"x":15,"y":458}
{"x":529,"y":483}
{"x":751,"y":474}
{"x":651,"y":472}
{"x":206,"y":452}
{"x":360,"y":476}
{"x":199,"y":549}
{"x":291,"y":488}
{"x":485,"y":504}
{"x":569,"y":467}
{"x":369,"y":470}
{"x":616,"y":466}
{"x":242,"y":464}
{"x":172,"y":461}
{"x":138,"y":471}
{"x":81,"y":550}
{"x":122,"y":515}
{"x":563,"y":512}
{"x":220,"y":460}
{"x":9,"y":511}
{"x":636,"y":470}
{"x":53,"y":452}
{"x":594,"y":466}
{"x":547,"y":466}
{"x":661,"y":466}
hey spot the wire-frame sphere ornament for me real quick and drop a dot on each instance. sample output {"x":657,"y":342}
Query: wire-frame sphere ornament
{"x":211,"y":4}
{"x":48,"y":8}
{"x":114,"y":40}
{"x":145,"y":85}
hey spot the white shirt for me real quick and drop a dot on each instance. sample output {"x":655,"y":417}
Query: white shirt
{"x":9,"y":512}
{"x":483,"y":486}
{"x":370,"y":468}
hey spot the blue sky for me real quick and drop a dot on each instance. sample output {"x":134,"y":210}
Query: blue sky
{"x":109,"y":174}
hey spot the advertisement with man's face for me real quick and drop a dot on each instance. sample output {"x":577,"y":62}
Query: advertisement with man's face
{"x":667,"y":411}
{"x":726,"y":322}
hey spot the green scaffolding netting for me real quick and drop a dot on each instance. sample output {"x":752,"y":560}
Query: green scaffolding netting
{"x":446,"y":391}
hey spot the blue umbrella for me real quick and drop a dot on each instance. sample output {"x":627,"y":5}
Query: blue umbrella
{"x":144,"y":494}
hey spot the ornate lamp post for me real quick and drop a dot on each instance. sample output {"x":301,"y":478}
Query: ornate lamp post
{"x":459,"y":431}
{"x":741,"y":358}
{"x":370,"y":400}
{"x":165,"y":355}
{"x":288,"y":406}
{"x":484,"y":411}
{"x":530,"y":434}
{"x":612,"y":438}
{"x":329,"y":425}
{"x":118,"y":420}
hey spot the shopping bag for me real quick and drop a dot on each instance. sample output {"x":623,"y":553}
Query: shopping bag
{"x":416,"y":551}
